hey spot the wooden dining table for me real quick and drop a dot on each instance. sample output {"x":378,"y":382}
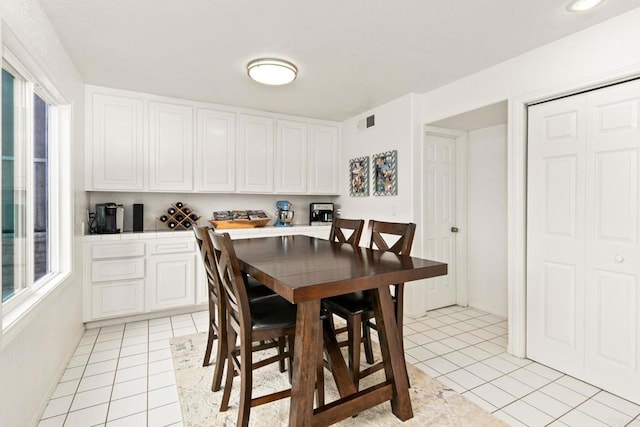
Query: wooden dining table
{"x":304,"y":270}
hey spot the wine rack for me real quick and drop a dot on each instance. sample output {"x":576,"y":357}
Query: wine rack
{"x":179,"y":217}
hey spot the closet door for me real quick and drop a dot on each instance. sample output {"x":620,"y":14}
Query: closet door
{"x":612,"y":248}
{"x":583,"y":224}
{"x":555,"y":234}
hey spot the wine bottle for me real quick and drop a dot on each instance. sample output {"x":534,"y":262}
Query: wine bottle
{"x":186,"y":211}
{"x":187,"y":224}
{"x":164,"y":218}
{"x":179,"y":217}
{"x":179,"y":205}
{"x":172,"y":224}
{"x":193,"y":217}
{"x":171,"y":211}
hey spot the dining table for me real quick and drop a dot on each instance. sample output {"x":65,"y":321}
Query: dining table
{"x":304,"y":270}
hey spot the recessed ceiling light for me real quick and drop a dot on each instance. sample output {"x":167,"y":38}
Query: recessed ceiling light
{"x":272,"y":71}
{"x":582,"y":5}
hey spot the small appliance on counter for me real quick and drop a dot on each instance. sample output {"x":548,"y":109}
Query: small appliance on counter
{"x":320,"y":213}
{"x":109,"y":218}
{"x":284,"y":214}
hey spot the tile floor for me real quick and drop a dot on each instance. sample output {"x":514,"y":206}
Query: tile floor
{"x":123,"y":376}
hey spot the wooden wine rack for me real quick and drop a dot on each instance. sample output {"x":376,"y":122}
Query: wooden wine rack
{"x":183,"y":217}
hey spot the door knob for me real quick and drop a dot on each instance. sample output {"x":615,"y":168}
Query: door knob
{"x":454,"y":229}
{"x":619,"y":258}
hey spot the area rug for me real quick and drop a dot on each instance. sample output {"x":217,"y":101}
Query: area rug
{"x":433,"y":403}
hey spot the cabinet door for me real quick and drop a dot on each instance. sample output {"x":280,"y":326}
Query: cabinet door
{"x":323,"y":159}
{"x":170,"y":147}
{"x":215,"y":151}
{"x":291,"y":157}
{"x":170,"y":281}
{"x":115,"y":153}
{"x":255,"y":154}
{"x":117,"y":299}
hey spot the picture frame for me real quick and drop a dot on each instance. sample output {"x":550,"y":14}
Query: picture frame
{"x":385,"y":173}
{"x":359,"y":177}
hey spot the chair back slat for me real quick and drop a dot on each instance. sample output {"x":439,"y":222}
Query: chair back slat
{"x":206,"y":253}
{"x":381,"y":231}
{"x":231,"y":279}
{"x":338,"y":227}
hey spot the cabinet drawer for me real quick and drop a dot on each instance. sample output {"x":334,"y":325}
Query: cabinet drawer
{"x":121,"y":269}
{"x":171,"y":246}
{"x":117,"y":250}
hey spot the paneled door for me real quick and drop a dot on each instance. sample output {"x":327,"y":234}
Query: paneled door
{"x":583,"y":267}
{"x":440,"y":216}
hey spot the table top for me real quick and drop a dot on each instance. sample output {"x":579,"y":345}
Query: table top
{"x":302,"y":268}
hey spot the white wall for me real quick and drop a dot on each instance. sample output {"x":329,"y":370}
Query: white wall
{"x":594,"y":53}
{"x":393,"y":130}
{"x":487,"y":219}
{"x":32,"y":362}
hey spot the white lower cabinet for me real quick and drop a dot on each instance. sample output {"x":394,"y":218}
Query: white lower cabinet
{"x":170,"y":281}
{"x":136,"y":274}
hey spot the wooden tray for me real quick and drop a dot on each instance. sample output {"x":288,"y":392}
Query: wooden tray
{"x":240,"y":223}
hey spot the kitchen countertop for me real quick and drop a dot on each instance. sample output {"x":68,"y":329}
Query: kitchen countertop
{"x":234,"y":232}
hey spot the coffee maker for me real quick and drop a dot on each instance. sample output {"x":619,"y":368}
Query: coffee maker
{"x":109,"y":218}
{"x":320,"y":213}
{"x":284,"y":214}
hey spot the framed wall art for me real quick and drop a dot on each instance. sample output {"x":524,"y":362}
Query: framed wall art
{"x":385,"y":174}
{"x":359,"y":177}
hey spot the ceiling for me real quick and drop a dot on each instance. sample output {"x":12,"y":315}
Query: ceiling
{"x":352,"y":55}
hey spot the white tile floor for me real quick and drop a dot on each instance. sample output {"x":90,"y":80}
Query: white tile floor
{"x":123,"y":375}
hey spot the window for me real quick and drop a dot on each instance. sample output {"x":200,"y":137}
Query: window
{"x":29,"y":247}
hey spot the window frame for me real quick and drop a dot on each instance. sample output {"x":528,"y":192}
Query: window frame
{"x":60,"y":188}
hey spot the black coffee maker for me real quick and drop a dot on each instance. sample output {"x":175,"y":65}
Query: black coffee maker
{"x":106,"y":218}
{"x":320,"y":213}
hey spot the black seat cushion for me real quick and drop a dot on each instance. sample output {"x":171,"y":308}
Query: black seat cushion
{"x":272,"y":312}
{"x":350,"y":304}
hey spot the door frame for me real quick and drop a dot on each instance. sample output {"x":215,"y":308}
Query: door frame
{"x":517,"y":193}
{"x":460,"y":203}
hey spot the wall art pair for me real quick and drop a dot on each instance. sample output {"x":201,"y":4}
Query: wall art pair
{"x":384,"y":167}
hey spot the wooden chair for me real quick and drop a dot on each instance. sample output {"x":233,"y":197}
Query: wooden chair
{"x":357,"y":307}
{"x":339,"y":225}
{"x":217,"y":307}
{"x":259,"y":320}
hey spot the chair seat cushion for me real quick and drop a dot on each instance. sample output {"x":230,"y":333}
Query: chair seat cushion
{"x":256,"y":289}
{"x":272,"y":312}
{"x":350,"y":304}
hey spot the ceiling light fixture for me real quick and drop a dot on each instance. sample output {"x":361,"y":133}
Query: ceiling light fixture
{"x":270,"y":71}
{"x":582,"y":5}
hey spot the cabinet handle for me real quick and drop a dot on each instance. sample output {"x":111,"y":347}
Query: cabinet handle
{"x":619,"y":259}
{"x":454,"y":229}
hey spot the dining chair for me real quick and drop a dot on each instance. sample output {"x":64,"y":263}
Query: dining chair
{"x":357,"y":307}
{"x":258,"y":320}
{"x":217,"y":306}
{"x":341,"y":225}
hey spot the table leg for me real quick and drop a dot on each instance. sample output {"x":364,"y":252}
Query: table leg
{"x":304,"y":363}
{"x":391,"y":348}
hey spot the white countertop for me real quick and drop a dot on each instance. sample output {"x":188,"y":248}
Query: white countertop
{"x":234,"y":232}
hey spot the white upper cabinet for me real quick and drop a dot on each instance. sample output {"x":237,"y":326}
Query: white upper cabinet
{"x":115,"y":128}
{"x":324,"y":150}
{"x":170,"y":147}
{"x":143,"y":142}
{"x":214,"y":159}
{"x":255,"y":154}
{"x":291,"y":157}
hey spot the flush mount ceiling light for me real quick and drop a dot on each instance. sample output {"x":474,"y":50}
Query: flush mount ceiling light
{"x":270,"y":71}
{"x":582,"y":5}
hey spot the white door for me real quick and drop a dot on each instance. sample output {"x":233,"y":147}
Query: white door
{"x":215,"y":156}
{"x":323,"y":159}
{"x":170,"y":281}
{"x":440,"y":216}
{"x":555,"y":218}
{"x":291,"y":157}
{"x":583,"y":288}
{"x":255,"y":154}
